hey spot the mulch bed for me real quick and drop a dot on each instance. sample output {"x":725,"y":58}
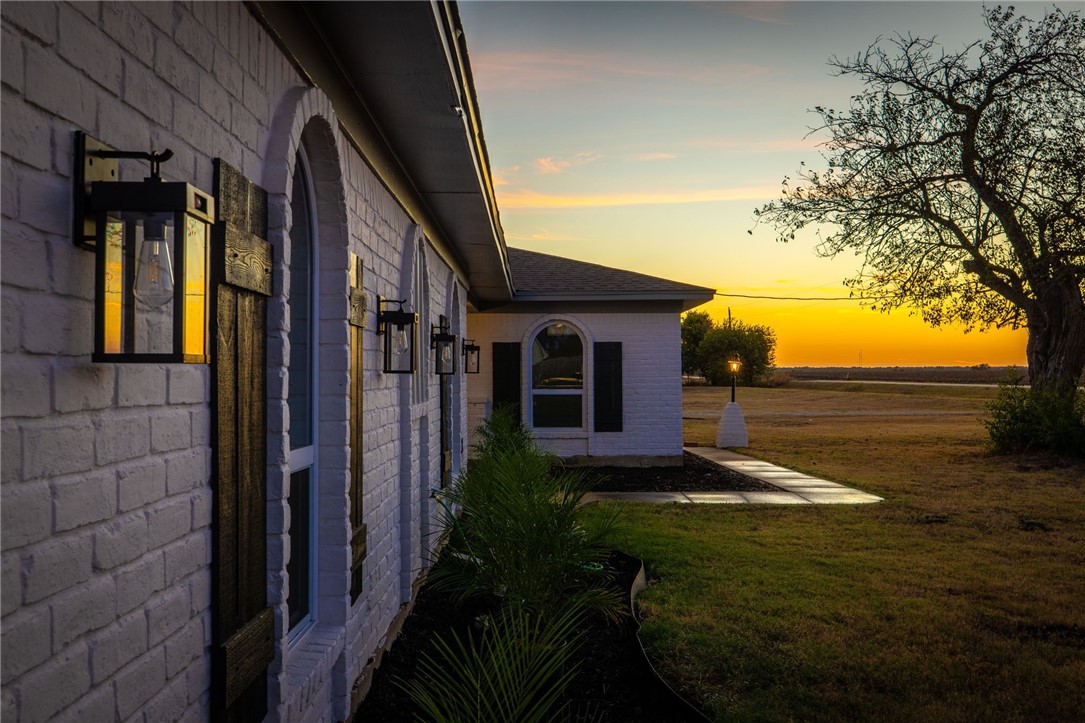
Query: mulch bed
{"x":614,"y":682}
{"x":695,"y":475}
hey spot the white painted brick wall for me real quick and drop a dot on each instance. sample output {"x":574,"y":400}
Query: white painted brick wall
{"x":651,"y":377}
{"x":105,"y":468}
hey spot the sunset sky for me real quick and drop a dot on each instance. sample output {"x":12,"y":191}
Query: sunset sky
{"x":642,"y":135}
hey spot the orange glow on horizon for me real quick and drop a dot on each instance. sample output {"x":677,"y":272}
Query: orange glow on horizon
{"x":844,"y":334}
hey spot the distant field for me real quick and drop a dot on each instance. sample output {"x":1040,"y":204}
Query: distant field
{"x":944,"y":375}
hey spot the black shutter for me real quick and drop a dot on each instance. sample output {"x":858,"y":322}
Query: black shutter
{"x":243,"y":626}
{"x":506,"y":387}
{"x":608,"y":386}
{"x":359,"y":531}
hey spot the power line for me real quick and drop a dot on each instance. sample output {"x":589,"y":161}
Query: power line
{"x":804,"y":298}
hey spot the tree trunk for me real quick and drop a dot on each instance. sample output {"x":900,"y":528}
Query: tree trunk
{"x":1056,"y":337}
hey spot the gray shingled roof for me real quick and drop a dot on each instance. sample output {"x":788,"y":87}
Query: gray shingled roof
{"x":542,"y":276}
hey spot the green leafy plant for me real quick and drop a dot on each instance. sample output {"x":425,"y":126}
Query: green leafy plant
{"x":1024,"y":419}
{"x":516,"y":672}
{"x":520,"y":537}
{"x":519,"y":533}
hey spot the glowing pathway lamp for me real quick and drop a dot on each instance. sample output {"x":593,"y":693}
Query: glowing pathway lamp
{"x":151,"y":242}
{"x":732,"y":429}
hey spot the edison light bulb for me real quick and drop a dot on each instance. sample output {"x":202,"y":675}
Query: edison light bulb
{"x":154,"y":271}
{"x":446,"y":354}
{"x":402,"y":342}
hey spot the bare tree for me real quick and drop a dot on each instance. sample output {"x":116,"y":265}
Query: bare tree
{"x":959,"y":178}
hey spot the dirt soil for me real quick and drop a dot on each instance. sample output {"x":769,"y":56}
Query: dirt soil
{"x":695,"y":475}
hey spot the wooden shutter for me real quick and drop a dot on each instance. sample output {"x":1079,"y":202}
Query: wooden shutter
{"x":243,"y":630}
{"x":446,"y":429}
{"x":359,"y":532}
{"x":506,"y":382}
{"x":608,"y":386}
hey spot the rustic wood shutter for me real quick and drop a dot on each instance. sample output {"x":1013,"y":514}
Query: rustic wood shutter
{"x":608,"y":386}
{"x":446,"y":430}
{"x":359,"y":531}
{"x":244,"y":630}
{"x":506,"y":381}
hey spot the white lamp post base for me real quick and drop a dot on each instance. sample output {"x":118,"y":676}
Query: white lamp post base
{"x":732,"y":429}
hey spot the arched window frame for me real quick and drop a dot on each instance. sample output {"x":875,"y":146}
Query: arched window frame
{"x":550,"y":405}
{"x":303,"y":468}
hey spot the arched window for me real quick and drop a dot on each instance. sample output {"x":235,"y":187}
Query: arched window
{"x":557,"y":378}
{"x":302,"y":398}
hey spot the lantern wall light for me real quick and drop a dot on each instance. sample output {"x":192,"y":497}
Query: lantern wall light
{"x":470,"y":356}
{"x":151,"y":241}
{"x":443,"y":342}
{"x":399,"y":329}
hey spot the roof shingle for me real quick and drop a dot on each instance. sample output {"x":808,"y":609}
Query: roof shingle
{"x":537,"y":275}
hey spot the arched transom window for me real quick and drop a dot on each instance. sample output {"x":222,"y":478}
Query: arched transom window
{"x":557,"y":378}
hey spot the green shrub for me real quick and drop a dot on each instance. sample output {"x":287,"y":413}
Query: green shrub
{"x":517,"y":672}
{"x":519,"y":534}
{"x":1024,"y":420}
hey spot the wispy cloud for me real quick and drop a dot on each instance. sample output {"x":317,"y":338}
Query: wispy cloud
{"x":554,"y":164}
{"x":755,"y":146}
{"x":526,"y":198}
{"x":653,"y":156}
{"x":540,"y":235}
{"x":538,"y":71}
{"x":769,"y":13}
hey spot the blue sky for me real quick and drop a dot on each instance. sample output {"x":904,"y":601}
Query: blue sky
{"x":643,"y":134}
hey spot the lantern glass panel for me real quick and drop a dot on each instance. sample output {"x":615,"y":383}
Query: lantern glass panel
{"x":137,"y":283}
{"x":399,"y":348}
{"x":197,"y":259}
{"x":470,"y":362}
{"x":445,"y":354}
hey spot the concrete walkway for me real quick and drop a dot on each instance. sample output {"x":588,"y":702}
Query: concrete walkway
{"x":795,"y":488}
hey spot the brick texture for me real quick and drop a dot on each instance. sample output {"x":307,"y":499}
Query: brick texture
{"x":107,"y":499}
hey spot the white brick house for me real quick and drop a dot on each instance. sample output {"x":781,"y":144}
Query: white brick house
{"x":590,"y":356}
{"x":165,"y":556}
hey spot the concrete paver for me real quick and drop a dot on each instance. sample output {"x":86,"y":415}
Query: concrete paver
{"x":794,"y":488}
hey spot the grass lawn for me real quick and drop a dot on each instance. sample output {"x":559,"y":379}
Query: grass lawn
{"x":959,"y":598}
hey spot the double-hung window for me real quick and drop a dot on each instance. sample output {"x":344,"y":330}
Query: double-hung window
{"x":557,"y":378}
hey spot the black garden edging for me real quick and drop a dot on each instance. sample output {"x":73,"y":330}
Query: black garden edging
{"x":682,"y":708}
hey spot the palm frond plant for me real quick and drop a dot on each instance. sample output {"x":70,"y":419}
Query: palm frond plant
{"x":520,"y":535}
{"x":517,"y":672}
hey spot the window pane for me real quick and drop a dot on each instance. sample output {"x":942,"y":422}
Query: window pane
{"x":297,"y":600}
{"x":557,"y":359}
{"x":556,"y":410}
{"x":300,"y":395}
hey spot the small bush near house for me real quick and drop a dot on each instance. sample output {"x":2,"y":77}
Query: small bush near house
{"x":1025,"y":420}
{"x":513,"y":531}
{"x":521,"y":535}
{"x":517,"y":671}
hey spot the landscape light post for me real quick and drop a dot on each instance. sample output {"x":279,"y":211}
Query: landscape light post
{"x":732,"y":429}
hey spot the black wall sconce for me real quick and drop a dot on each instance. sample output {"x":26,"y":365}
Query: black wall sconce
{"x":471,"y":356}
{"x":444,"y":345}
{"x":398,"y":327}
{"x":151,"y":242}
